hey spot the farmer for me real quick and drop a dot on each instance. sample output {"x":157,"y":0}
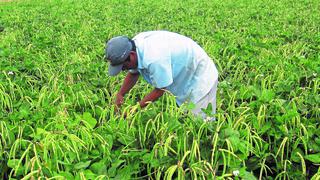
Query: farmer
{"x":168,"y":61}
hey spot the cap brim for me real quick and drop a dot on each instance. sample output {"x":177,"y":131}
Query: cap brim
{"x":114,"y":70}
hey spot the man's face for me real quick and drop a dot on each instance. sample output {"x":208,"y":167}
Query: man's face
{"x":130,"y":63}
{"x":126,"y":65}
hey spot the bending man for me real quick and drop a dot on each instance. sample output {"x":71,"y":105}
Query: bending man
{"x":167,"y":61}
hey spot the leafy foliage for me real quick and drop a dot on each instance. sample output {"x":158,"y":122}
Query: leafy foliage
{"x":57,"y":118}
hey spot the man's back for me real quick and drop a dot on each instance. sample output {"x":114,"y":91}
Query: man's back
{"x":175,"y":62}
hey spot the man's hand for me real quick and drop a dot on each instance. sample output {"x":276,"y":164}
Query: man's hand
{"x":151,"y":97}
{"x":119,"y":100}
{"x":128,"y":83}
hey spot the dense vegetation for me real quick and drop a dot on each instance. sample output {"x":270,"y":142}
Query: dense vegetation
{"x":57,"y":118}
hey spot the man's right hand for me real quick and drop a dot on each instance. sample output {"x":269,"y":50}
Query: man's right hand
{"x":128,"y":83}
{"x":119,"y":100}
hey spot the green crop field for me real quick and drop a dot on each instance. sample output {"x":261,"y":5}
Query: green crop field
{"x":57,"y":118}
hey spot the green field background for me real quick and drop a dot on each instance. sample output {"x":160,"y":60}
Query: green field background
{"x":57,"y":118}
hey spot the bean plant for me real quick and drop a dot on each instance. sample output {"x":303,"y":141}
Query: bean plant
{"x":57,"y":114}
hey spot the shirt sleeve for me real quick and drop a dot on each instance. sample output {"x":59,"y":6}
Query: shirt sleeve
{"x":160,"y":74}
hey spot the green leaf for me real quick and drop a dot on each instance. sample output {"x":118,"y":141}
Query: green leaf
{"x":41,"y":131}
{"x":113,"y":170}
{"x":66,"y":175}
{"x":265,"y":127}
{"x":208,"y":110}
{"x":89,"y":174}
{"x":190,"y":106}
{"x":99,"y":167}
{"x":89,"y":119}
{"x":94,"y":154}
{"x":315,"y":158}
{"x":82,"y":165}
{"x":245,"y":175}
{"x":173,"y":125}
{"x":229,"y":132}
{"x":126,"y":139}
{"x":60,"y":127}
{"x":266,"y":95}
{"x":155,"y":163}
{"x":294,"y":156}
{"x":235,"y":141}
{"x":72,"y":156}
{"x":12,"y":163}
{"x":24,"y":111}
{"x":48,"y":173}
{"x":147,"y":158}
{"x":109,"y":140}
{"x":125,"y":173}
{"x":313,"y":145}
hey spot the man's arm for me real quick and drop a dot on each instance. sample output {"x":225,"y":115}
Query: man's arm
{"x":152,"y":96}
{"x":128,"y":83}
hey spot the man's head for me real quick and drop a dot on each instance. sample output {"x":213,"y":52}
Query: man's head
{"x":120,"y":52}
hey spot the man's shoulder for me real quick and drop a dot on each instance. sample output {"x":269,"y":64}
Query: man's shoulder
{"x":147,"y":34}
{"x":143,"y":35}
